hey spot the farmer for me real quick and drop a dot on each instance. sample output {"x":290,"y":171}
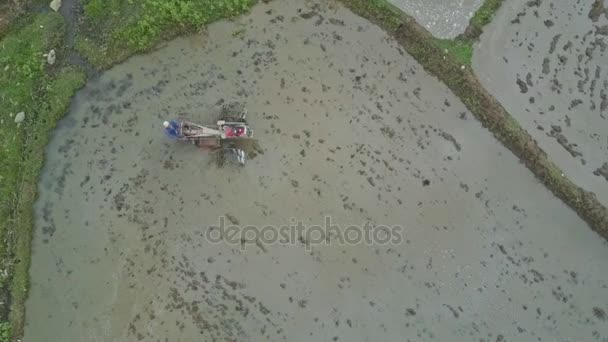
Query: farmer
{"x":171,"y":129}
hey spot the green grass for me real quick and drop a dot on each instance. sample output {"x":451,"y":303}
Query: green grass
{"x":116,"y":29}
{"x":5,"y":332}
{"x":21,"y":59}
{"x":50,"y":108}
{"x":43,"y":92}
{"x":462,"y":50}
{"x":462,"y":47}
{"x":484,"y":14}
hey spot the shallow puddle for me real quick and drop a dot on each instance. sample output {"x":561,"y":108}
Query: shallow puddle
{"x":353,"y":129}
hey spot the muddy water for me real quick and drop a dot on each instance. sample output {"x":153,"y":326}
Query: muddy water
{"x":547,"y":63}
{"x":351,"y":127}
{"x":443,"y":18}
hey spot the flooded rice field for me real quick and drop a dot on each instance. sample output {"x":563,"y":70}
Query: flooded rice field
{"x":547,"y":63}
{"x":353,"y":129}
{"x":443,"y":18}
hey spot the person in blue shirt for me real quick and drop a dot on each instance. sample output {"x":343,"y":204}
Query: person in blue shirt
{"x":171,"y":129}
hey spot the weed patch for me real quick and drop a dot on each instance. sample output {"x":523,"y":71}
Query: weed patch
{"x":484,"y":14}
{"x":42,"y":92}
{"x":462,"y":50}
{"x":117,"y":29}
{"x":5,"y":332}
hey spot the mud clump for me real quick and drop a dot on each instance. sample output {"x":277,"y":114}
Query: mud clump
{"x":546,"y":67}
{"x":119,"y":201}
{"x":529,"y":80}
{"x":451,"y":139}
{"x":556,"y":132}
{"x":554,"y":43}
{"x":388,"y":132}
{"x":599,"y":313}
{"x":308,"y":15}
{"x":602,"y":171}
{"x":597,"y":9}
{"x":523,"y":87}
{"x":232,"y":219}
{"x":337,"y":22}
{"x":575,"y":103}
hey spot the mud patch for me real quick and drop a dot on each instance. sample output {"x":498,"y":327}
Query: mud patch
{"x":602,"y":171}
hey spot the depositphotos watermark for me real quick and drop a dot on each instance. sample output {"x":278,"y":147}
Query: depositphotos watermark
{"x":299,"y":233}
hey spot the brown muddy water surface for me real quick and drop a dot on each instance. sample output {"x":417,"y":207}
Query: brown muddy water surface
{"x":352,"y":128}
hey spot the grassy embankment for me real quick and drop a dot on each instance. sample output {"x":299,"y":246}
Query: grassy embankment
{"x":447,"y":67}
{"x":27,"y":84}
{"x":462,"y":46}
{"x":111,"y":31}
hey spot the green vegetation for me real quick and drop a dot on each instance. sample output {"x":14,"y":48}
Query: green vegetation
{"x":391,"y":18}
{"x":380,"y":12}
{"x":27,"y":84}
{"x":419,"y":43}
{"x":462,"y":46}
{"x":462,"y":50}
{"x":116,"y":29}
{"x":50,"y":108}
{"x":23,"y":65}
{"x":484,"y":14}
{"x":5,"y":332}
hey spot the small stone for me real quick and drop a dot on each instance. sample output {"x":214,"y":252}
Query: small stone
{"x":51,"y":57}
{"x":463,"y":67}
{"x":55,"y":5}
{"x":19,"y":117}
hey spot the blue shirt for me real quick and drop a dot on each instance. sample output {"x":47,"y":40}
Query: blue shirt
{"x":172,"y":130}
